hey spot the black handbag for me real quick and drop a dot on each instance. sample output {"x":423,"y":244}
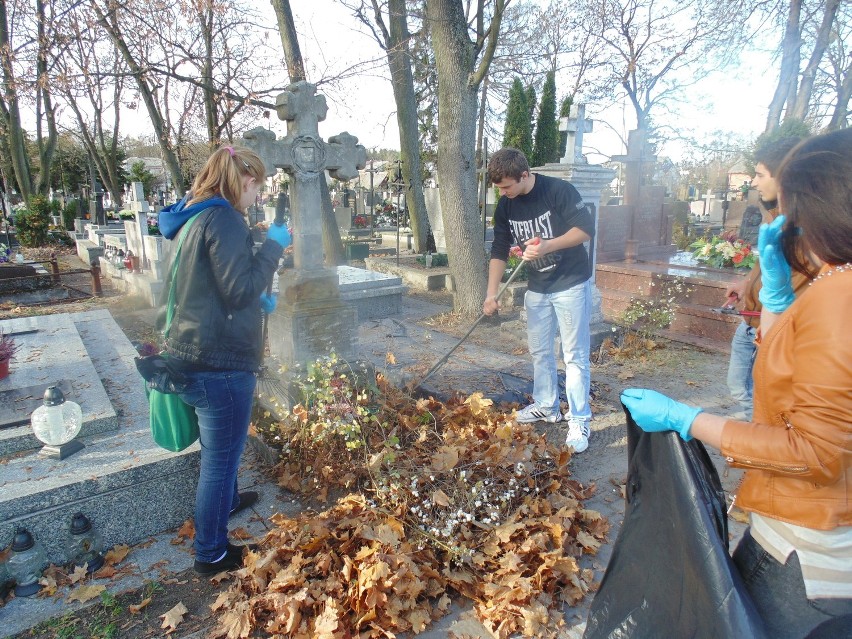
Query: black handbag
{"x":670,"y":575}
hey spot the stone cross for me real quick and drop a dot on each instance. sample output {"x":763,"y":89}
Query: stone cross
{"x":574,"y":126}
{"x":303,"y":155}
{"x":635,"y":162}
{"x":708,"y":202}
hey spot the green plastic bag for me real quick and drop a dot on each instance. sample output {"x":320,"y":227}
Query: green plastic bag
{"x":174,"y":424}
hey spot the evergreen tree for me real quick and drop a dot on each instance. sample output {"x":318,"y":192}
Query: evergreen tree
{"x":546,"y":146}
{"x":564,"y":112}
{"x":518,"y":133}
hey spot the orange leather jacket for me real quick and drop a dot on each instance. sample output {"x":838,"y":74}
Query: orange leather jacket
{"x":798,"y":451}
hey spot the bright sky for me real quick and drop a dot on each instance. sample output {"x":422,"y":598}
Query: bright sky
{"x":736,"y":100}
{"x":332,"y":41}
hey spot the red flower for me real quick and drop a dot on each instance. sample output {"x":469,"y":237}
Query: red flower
{"x":739,"y":257}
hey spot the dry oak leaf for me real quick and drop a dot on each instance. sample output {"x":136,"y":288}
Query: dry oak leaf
{"x":48,"y":585}
{"x":79,"y":573}
{"x":116,"y":554}
{"x":241,"y":533}
{"x":174,"y":617}
{"x":390,"y":360}
{"x":86,"y":593}
{"x":446,"y":458}
{"x":478,"y":403}
{"x":236,"y":623}
{"x":440,"y":498}
{"x":625,"y":375}
{"x":327,"y":622}
{"x":187,"y":531}
{"x":135,"y":609}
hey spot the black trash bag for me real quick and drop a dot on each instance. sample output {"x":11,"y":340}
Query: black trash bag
{"x":670,"y":575}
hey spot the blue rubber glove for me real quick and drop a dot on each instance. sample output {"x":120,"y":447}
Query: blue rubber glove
{"x":656,"y":413}
{"x":268,"y":303}
{"x":279,"y":233}
{"x":776,"y":292}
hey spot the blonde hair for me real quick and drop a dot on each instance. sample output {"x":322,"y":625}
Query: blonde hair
{"x":223,"y":173}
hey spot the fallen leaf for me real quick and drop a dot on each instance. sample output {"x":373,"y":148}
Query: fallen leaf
{"x":116,"y":554}
{"x":86,"y":593}
{"x":241,"y":533}
{"x":625,"y":375}
{"x":79,"y":573}
{"x":136,"y":608}
{"x":390,"y":360}
{"x":187,"y":531}
{"x":440,"y":498}
{"x":174,"y":617}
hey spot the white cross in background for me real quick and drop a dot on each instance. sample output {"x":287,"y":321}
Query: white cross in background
{"x":575,"y":125}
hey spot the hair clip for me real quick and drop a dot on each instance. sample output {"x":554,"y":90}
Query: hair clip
{"x":231,"y":151}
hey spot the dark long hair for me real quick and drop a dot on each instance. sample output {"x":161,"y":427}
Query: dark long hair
{"x":816,"y":197}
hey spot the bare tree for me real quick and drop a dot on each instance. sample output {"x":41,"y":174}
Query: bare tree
{"x":25,"y":59}
{"x":113,"y":18}
{"x":657,"y":48}
{"x":462,"y":59}
{"x":808,"y":25}
{"x":839,"y":69}
{"x":90,"y":77}
{"x":388,"y":23}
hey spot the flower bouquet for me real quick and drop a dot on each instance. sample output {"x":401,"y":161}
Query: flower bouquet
{"x":5,"y":252}
{"x":724,"y":250}
{"x":359,"y":222}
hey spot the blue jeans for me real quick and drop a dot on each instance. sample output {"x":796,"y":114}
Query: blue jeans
{"x":223,"y":402}
{"x":740,"y":380}
{"x":570,"y":311}
{"x":778,"y":592}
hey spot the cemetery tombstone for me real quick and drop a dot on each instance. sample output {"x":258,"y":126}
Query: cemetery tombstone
{"x":752,"y":219}
{"x":310,"y":320}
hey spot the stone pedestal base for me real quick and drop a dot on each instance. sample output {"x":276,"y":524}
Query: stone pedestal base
{"x":303,"y":332}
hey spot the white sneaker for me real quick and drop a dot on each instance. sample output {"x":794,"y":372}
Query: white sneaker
{"x":533,"y":413}
{"x":578,"y":435}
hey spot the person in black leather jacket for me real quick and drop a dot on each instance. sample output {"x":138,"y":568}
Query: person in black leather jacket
{"x":215,"y":335}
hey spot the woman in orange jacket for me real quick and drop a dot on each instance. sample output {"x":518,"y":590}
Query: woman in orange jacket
{"x":796,"y":556}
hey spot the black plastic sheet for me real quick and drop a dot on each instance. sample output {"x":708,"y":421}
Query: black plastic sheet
{"x":670,"y":575}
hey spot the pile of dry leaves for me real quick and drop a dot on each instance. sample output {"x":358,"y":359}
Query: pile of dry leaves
{"x":444,"y":499}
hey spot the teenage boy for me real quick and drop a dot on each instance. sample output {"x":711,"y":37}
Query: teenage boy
{"x":547,"y":219}
{"x":743,"y":349}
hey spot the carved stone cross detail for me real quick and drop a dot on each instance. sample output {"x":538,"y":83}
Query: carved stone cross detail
{"x":304,"y":156}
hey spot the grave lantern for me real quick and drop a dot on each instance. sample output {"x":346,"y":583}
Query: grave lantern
{"x":26,"y":563}
{"x":56,"y":423}
{"x":84,"y":544}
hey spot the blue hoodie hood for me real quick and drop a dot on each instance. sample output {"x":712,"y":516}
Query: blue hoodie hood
{"x":174,"y":216}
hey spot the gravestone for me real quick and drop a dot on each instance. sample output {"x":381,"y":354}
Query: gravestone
{"x":137,"y":228}
{"x":310,"y":320}
{"x":574,"y":126}
{"x":752,"y":219}
{"x":96,"y":206}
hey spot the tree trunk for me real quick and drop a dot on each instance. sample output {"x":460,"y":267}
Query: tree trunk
{"x":46,"y":145}
{"x":11,"y":112}
{"x":402,"y":81}
{"x":841,"y":109}
{"x":799,"y":110}
{"x":331,"y":243}
{"x":790,"y":59}
{"x":454,"y":60}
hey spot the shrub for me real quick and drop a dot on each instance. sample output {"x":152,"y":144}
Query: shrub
{"x":34,"y":222}
{"x":69,"y":214}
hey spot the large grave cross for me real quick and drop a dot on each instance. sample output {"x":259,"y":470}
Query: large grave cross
{"x":574,"y":126}
{"x":303,"y":155}
{"x":636,"y":160}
